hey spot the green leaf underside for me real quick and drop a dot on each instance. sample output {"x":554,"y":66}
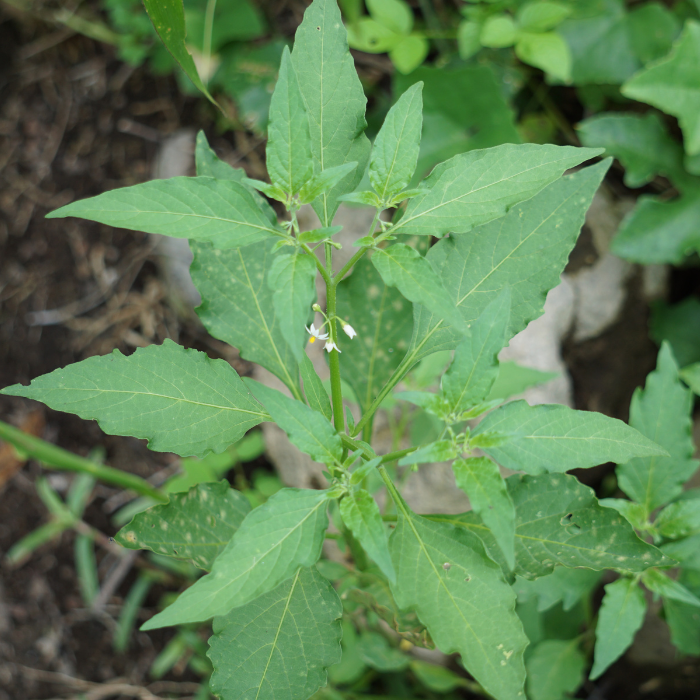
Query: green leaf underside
{"x":620,"y":616}
{"x":461,"y":597}
{"x":222,"y":212}
{"x":325,"y":69}
{"x":194,"y":525}
{"x":661,"y":412}
{"x":555,"y":668}
{"x":237,"y":305}
{"x":179,"y":400}
{"x":558,"y":522}
{"x":555,"y":438}
{"x":526,"y":250}
{"x":309,"y":430}
{"x":313,"y":389}
{"x":362,"y":515}
{"x":381,"y":316}
{"x":481,"y":480}
{"x":475,"y":187}
{"x":474,"y":368}
{"x":293,"y":279}
{"x":273,"y":541}
{"x":395,"y":150}
{"x":289,"y":163}
{"x":295,"y":626}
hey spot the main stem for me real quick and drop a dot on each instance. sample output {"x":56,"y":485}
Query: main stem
{"x":334,"y":358}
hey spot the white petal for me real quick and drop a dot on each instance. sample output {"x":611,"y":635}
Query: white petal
{"x":330,"y":345}
{"x":349,"y":330}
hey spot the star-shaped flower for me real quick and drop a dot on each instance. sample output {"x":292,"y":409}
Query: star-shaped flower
{"x":316,"y":334}
{"x":330,"y":345}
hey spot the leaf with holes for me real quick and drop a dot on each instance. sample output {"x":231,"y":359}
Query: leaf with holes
{"x":274,"y":540}
{"x":194,"y":525}
{"x":293,"y":627}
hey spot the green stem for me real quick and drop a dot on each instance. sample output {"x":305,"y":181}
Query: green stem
{"x":353,"y":260}
{"x":390,"y":457}
{"x":333,"y":356}
{"x":58,"y":458}
{"x":208,"y":31}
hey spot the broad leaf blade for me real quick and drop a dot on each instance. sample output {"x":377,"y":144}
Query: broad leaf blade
{"x":194,"y":525}
{"x":179,"y":400}
{"x":309,"y":430}
{"x":481,"y":480}
{"x":273,"y":541}
{"x":314,"y":391}
{"x":555,"y":438}
{"x":476,"y":187}
{"x":237,"y":305}
{"x":222,"y":212}
{"x":293,"y":626}
{"x":620,"y":616}
{"x":661,"y":412}
{"x":362,"y":515}
{"x":325,"y":71}
{"x":660,"y":583}
{"x":289,"y":163}
{"x":395,"y":150}
{"x":679,"y":519}
{"x":555,"y":669}
{"x":293,"y":279}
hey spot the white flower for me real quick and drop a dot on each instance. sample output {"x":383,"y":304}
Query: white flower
{"x":349,"y":330}
{"x":330,"y":345}
{"x":316,"y":334}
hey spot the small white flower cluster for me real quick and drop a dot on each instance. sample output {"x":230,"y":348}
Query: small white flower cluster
{"x":316,"y":334}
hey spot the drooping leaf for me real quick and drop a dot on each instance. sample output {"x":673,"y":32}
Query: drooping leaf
{"x":362,"y":515}
{"x":556,"y":438}
{"x":460,"y":595}
{"x":309,"y":430}
{"x":222,"y":212}
{"x":288,"y":152}
{"x":481,"y":480}
{"x":274,"y":540}
{"x":395,"y":150}
{"x":293,"y":279}
{"x":194,"y":525}
{"x":313,"y":389}
{"x":558,"y":522}
{"x":474,"y":368}
{"x":555,"y":668}
{"x":179,"y":400}
{"x":325,"y":70}
{"x":476,"y":187}
{"x":405,"y":268}
{"x":671,"y":84}
{"x":381,"y":316}
{"x":237,"y":305}
{"x":661,"y":412}
{"x":660,"y":583}
{"x":620,"y":616}
{"x":295,"y":626}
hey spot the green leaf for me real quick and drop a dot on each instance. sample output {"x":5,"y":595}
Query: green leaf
{"x":542,"y":16}
{"x":547,"y":51}
{"x":661,"y":412}
{"x":468,"y":34}
{"x":362,"y":471}
{"x":459,"y":594}
{"x":436,"y":678}
{"x":634,"y":513}
{"x":438,"y":451}
{"x":555,"y":668}
{"x":274,"y":540}
{"x":294,"y":626}
{"x":324,"y":182}
{"x":319,"y":234}
{"x":409,"y":53}
{"x":237,"y":305}
{"x":640,"y":142}
{"x":653,"y":29}
{"x":309,"y":430}
{"x":679,"y":519}
{"x":289,"y":163}
{"x":382,"y":318}
{"x":684,"y":622}
{"x":168,"y":18}
{"x":620,"y":616}
{"x":222,"y":212}
{"x":405,"y":268}
{"x":362,"y":515}
{"x":316,"y":395}
{"x":368,"y":199}
{"x":660,"y":583}
{"x":555,"y":438}
{"x":558,"y":522}
{"x":293,"y":279}
{"x":194,"y":525}
{"x":476,"y":187}
{"x":177,"y":399}
{"x":395,"y":150}
{"x":393,"y":14}
{"x":366,"y":34}
{"x":691,"y":376}
{"x":685,"y":551}
{"x":375,"y":651}
{"x":481,"y":480}
{"x":525,"y":250}
{"x":271,"y":191}
{"x":474,"y":368}
{"x":565,"y":586}
{"x":325,"y":69}
{"x":498,"y":32}
{"x":671,"y":84}
{"x":513,"y":379}
{"x":679,"y":325}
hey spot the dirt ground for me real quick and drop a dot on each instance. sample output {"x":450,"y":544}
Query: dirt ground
{"x":75,"y":122}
